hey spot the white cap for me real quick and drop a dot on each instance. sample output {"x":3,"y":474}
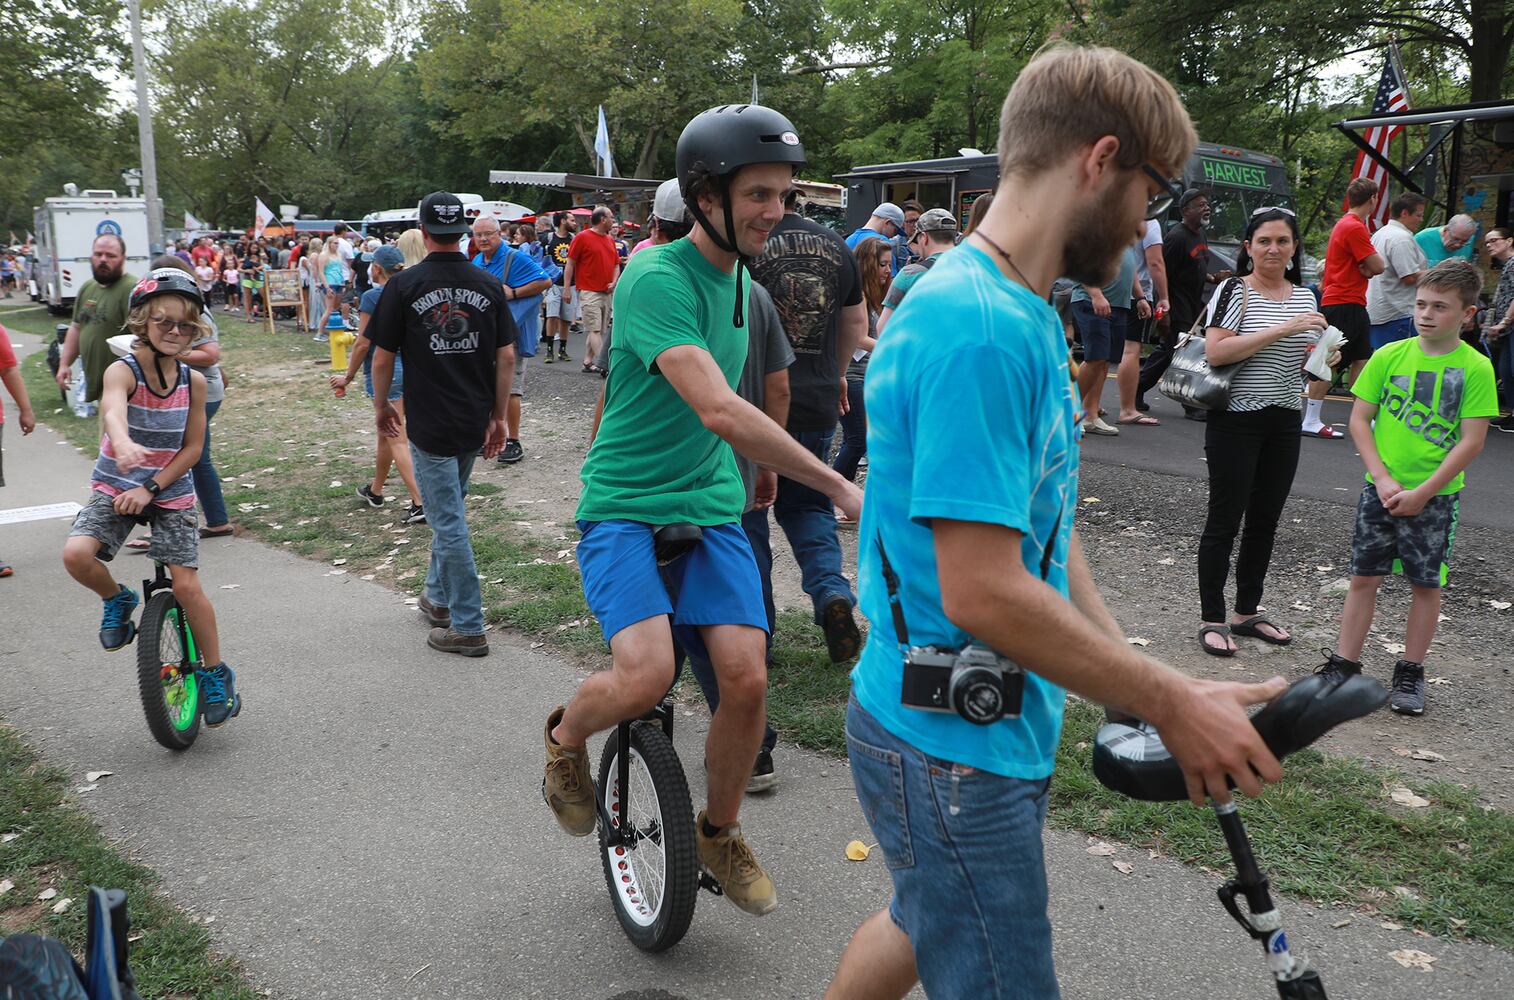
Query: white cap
{"x":668,"y":203}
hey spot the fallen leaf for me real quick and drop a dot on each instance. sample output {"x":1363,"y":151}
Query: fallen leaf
{"x":1424,"y":934}
{"x":1123,"y":867}
{"x":1499,"y":605}
{"x":537,"y":645}
{"x":338,"y":562}
{"x":564,"y":553}
{"x":47,"y":894}
{"x":1404,"y":892}
{"x":1405,"y":797}
{"x":335,"y":483}
{"x":336,"y":572}
{"x":135,"y":936}
{"x":1101,"y":849}
{"x":1341,"y":923}
{"x":85,"y":788}
{"x":407,"y":574}
{"x":368,"y":576}
{"x":856,"y":850}
{"x":6,"y":885}
{"x":1437,"y":680}
{"x":8,"y":837}
{"x":1167,"y":562}
{"x":1301,"y":606}
{"x":1389,"y":925}
{"x":1393,"y":647}
{"x":1418,"y":754}
{"x":1456,"y":923}
{"x":1137,"y":640}
{"x":1412,"y":959}
{"x":1322,"y":569}
{"x":97,"y":775}
{"x":62,"y":905}
{"x":231,"y":586}
{"x":1092,"y":500}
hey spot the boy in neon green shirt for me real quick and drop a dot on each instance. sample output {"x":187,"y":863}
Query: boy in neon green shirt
{"x":1421,"y":417}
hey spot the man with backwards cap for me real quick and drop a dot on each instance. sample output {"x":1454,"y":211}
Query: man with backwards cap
{"x":663,"y":456}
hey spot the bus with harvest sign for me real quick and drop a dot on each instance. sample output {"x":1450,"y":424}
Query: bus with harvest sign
{"x":1238,"y":182}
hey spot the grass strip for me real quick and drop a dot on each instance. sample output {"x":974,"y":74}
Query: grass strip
{"x":1327,"y":833}
{"x":60,"y":847}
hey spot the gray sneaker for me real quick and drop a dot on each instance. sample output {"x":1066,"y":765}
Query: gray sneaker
{"x":1408,"y":695}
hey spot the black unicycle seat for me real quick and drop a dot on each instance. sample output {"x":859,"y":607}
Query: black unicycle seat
{"x":671,"y":541}
{"x":1132,"y":760}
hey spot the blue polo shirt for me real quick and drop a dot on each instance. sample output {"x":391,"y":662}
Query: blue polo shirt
{"x":986,"y":432}
{"x":515,"y":269}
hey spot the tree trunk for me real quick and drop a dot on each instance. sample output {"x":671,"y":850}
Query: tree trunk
{"x":646,"y":164}
{"x":1492,"y":34}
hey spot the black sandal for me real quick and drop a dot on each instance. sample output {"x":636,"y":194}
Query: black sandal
{"x":1249,"y":628}
{"x":1220,"y":630}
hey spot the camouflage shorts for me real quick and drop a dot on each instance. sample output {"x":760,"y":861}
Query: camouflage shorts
{"x":1419,"y":547}
{"x":175,"y":533}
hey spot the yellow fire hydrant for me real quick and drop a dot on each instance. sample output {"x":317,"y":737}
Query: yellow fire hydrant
{"x":341,"y":338}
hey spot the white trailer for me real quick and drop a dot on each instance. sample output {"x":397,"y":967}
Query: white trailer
{"x":66,"y":229}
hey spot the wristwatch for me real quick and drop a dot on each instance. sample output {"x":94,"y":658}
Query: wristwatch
{"x":152,"y":486}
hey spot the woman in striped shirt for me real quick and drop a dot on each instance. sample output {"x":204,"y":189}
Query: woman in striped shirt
{"x":1265,"y":321}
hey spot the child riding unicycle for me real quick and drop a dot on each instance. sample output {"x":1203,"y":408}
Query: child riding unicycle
{"x":153,"y":411}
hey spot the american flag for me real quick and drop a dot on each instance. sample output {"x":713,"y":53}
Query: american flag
{"x":1392,"y":95}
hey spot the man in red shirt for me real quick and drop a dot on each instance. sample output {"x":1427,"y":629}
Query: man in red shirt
{"x":1350,"y":259}
{"x":593,"y":266}
{"x":202,"y":252}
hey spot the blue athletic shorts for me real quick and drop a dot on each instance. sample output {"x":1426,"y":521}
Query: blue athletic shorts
{"x":717,"y":582}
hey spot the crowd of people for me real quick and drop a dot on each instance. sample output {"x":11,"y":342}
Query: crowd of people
{"x":736,"y":339}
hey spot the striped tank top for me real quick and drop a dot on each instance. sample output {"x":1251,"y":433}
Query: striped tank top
{"x":157,"y":424}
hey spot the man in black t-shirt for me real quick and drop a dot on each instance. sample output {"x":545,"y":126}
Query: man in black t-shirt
{"x":811,"y":276}
{"x":560,"y":314}
{"x":1185,"y":253}
{"x":449,"y":320}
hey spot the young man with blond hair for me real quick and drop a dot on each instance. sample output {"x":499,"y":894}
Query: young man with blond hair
{"x":972,"y":493}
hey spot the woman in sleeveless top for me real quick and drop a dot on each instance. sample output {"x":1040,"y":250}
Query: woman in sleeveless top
{"x":1265,"y":322}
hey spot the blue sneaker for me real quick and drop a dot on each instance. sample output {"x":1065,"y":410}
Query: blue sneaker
{"x":218,"y":695}
{"x":116,"y":627}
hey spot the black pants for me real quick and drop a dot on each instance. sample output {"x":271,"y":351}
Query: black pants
{"x":1252,"y":459}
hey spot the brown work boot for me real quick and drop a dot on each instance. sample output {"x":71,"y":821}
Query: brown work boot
{"x":568,"y":788}
{"x":731,"y":863}
{"x":449,"y":641}
{"x":436,"y":616}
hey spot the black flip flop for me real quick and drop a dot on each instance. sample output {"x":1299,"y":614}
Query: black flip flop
{"x":1249,"y":628}
{"x":1220,"y":630}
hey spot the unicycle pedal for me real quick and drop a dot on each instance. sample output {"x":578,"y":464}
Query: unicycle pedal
{"x":707,"y":882}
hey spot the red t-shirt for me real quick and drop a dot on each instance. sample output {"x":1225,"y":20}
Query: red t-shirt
{"x":1350,"y":244}
{"x":202,"y":255}
{"x":594,"y":260}
{"x":7,"y":362}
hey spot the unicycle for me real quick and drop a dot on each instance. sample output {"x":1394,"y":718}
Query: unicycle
{"x":1132,"y":760}
{"x":646,"y":816}
{"x":167,"y":661}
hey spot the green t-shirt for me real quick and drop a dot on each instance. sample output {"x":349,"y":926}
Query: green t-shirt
{"x":1421,"y":402}
{"x":100,"y":311}
{"x":653,"y":460}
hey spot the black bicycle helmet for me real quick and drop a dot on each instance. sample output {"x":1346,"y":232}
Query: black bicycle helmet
{"x":723,"y":140}
{"x":166,"y":281}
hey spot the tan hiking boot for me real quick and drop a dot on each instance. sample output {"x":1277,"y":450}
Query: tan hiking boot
{"x":568,"y":788}
{"x":731,"y":863}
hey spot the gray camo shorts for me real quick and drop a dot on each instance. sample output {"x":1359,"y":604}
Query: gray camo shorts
{"x":175,"y":533}
{"x":1418,"y":546}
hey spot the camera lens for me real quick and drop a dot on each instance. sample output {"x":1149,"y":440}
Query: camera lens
{"x":977,"y":695}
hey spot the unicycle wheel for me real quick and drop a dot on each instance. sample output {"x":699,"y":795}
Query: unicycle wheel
{"x":165,"y":675}
{"x":654,"y":878}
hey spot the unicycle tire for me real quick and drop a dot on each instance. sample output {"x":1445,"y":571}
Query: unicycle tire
{"x":653,"y":884}
{"x":165,"y":676}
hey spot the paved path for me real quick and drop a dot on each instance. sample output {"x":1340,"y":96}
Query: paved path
{"x":1327,"y":470}
{"x":371,"y":825}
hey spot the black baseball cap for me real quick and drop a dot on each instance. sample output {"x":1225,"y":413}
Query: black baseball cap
{"x":441,"y":214}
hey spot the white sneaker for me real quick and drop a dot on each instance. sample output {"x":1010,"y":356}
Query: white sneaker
{"x":1098,"y":426}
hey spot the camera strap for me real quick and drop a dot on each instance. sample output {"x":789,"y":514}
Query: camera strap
{"x":891,"y":579}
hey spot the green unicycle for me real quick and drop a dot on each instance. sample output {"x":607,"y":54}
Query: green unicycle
{"x":167,"y":661}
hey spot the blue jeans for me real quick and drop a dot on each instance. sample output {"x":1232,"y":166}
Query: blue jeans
{"x":963,"y":848}
{"x":809,"y":522}
{"x":853,"y":431}
{"x":207,"y":481}
{"x":755,"y":524}
{"x":1383,"y":334}
{"x":452,"y":577}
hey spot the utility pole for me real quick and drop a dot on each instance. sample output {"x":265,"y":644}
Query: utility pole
{"x":144,"y":133}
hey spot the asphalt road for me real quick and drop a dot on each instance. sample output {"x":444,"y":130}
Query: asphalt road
{"x":371,"y":825}
{"x":1328,"y":470}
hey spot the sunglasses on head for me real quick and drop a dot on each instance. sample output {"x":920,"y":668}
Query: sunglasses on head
{"x":1274,"y":208}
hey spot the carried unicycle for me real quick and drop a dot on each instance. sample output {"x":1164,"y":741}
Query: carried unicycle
{"x":1132,"y":760}
{"x":646,"y":816}
{"x":167,"y":661}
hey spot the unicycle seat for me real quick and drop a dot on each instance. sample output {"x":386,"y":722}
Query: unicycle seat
{"x":671,"y":541}
{"x":1131,"y":759}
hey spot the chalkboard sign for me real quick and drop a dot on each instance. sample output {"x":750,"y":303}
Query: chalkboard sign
{"x":282,"y":288}
{"x":965,"y":201}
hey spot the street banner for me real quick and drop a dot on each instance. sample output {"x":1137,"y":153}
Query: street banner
{"x":262,"y":217}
